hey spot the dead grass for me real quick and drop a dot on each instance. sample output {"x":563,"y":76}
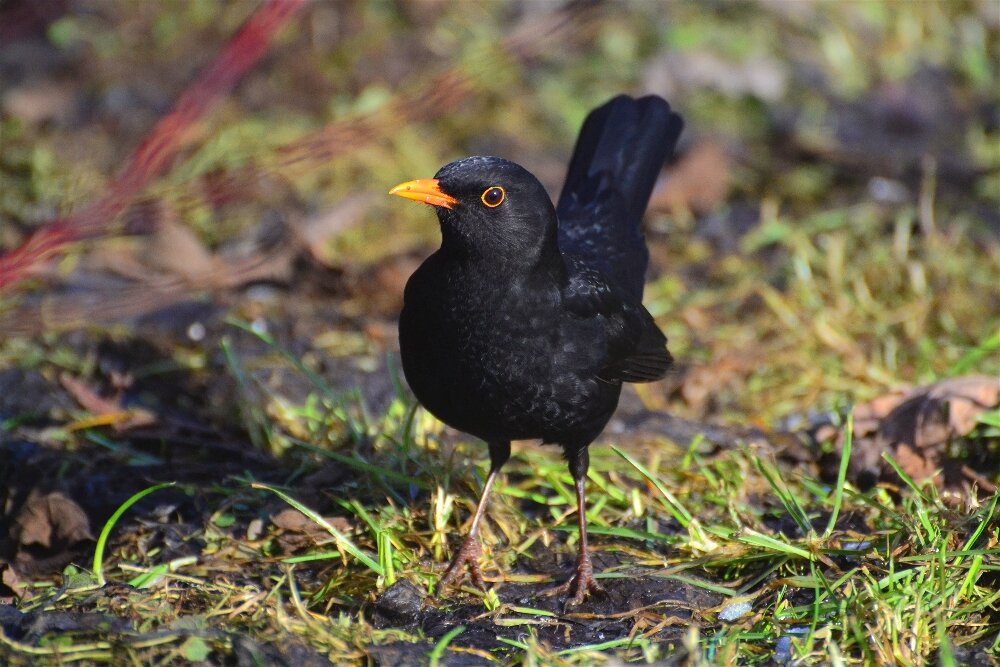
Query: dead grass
{"x":834,"y":293}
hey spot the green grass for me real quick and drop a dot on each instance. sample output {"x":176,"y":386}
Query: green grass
{"x":102,"y":539}
{"x":830,"y":300}
{"x":924,"y":574}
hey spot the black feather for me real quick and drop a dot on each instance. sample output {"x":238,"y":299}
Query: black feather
{"x":619,"y":153}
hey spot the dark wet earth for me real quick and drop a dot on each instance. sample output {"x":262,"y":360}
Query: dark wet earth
{"x":634,"y":604}
{"x":58,"y":492}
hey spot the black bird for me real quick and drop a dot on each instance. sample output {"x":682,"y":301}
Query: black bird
{"x":528,"y":319}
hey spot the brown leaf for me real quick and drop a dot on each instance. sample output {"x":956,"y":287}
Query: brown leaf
{"x":878,"y":408}
{"x":916,"y":427}
{"x":51,"y":520}
{"x":106,"y":411}
{"x":867,"y":419}
{"x":9,"y":578}
{"x":697,"y":183}
{"x":175,"y":249}
{"x":915,"y":462}
{"x":967,"y":398}
{"x":702,"y":383}
{"x":291,"y":519}
{"x":931,"y":416}
{"x":89,"y":399}
{"x":299,"y":531}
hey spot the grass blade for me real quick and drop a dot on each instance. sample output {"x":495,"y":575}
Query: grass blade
{"x":787,"y":498}
{"x":673,"y":505}
{"x":439,"y":648}
{"x":838,"y":491}
{"x":342,"y":540}
{"x":102,"y":539}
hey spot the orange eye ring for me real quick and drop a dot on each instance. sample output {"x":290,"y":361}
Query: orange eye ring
{"x":493,"y":196}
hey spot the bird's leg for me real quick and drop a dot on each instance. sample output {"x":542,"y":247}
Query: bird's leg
{"x":582,"y":581}
{"x":470,"y":550}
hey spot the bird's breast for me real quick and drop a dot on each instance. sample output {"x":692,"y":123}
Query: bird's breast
{"x":498,"y":358}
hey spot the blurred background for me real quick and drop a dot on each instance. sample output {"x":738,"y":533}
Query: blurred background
{"x":828,"y":229}
{"x":828,"y":234}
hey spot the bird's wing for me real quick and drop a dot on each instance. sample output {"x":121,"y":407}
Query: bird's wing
{"x":621,"y":148}
{"x":636,"y":348}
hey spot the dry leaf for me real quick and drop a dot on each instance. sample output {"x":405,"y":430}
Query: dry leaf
{"x":697,"y":183}
{"x":106,"y":411}
{"x":867,"y":418}
{"x":917,"y":426}
{"x":175,"y":249}
{"x":51,"y":520}
{"x":299,"y":531}
{"x":9,"y":578}
{"x":702,"y":383}
{"x":931,"y":416}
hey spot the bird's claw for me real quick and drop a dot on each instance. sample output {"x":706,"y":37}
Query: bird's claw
{"x":580,"y":584}
{"x":467,"y":555}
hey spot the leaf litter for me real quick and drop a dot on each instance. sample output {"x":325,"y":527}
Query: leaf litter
{"x":821,"y":251}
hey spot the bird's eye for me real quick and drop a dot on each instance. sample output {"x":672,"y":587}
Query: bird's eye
{"x":493,"y":196}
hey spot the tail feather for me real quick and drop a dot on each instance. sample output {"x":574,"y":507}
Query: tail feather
{"x":621,"y":148}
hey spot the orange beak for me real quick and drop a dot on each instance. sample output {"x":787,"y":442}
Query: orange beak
{"x":426,"y":190}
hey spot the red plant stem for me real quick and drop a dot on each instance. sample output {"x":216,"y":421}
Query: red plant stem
{"x":160,"y":145}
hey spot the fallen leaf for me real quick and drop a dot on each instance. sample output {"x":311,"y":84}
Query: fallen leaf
{"x":51,"y":520}
{"x":967,"y":398}
{"x":299,"y":531}
{"x":915,"y":462}
{"x":106,"y":411}
{"x":175,"y":249}
{"x":916,"y":427}
{"x":701,"y":384}
{"x":867,"y":418}
{"x":698,"y":183}
{"x":930,"y":417}
{"x":9,"y":579}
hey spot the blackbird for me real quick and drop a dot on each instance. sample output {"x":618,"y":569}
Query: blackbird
{"x":528,"y":319}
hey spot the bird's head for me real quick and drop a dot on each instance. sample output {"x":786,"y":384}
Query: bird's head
{"x":489,"y":207}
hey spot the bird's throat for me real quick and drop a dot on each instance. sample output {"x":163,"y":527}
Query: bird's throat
{"x":503,"y":253}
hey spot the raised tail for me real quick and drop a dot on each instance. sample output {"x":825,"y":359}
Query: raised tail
{"x":621,"y":148}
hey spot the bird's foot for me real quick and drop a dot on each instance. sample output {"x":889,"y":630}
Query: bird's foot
{"x":468,"y":555}
{"x":580,"y":584}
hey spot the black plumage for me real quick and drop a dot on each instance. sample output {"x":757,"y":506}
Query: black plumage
{"x":528,"y":319}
